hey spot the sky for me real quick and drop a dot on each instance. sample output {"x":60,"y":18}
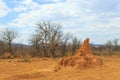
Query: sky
{"x":97,"y":19}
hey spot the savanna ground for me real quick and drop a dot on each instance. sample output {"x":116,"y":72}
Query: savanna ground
{"x":43,"y":69}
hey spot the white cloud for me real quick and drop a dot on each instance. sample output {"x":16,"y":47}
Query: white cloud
{"x":26,"y":5}
{"x":56,"y":1}
{"x":77,"y":16}
{"x":24,"y":36}
{"x":20,"y":8}
{"x":2,"y":27}
{"x":49,"y":11}
{"x":4,"y":10}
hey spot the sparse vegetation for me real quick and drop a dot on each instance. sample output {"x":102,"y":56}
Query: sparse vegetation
{"x":111,"y":47}
{"x":50,"y":41}
{"x":47,"y":45}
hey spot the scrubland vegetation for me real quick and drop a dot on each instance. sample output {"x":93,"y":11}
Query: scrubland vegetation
{"x":49,"y":40}
{"x":47,"y":45}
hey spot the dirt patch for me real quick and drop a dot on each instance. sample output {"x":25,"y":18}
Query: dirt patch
{"x":82,"y":58}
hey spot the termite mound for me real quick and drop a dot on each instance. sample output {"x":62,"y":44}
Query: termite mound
{"x":83,"y":57}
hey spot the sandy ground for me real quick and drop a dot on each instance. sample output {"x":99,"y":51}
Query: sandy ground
{"x":43,"y":69}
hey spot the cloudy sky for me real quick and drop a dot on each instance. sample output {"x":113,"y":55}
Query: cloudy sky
{"x":97,"y":19}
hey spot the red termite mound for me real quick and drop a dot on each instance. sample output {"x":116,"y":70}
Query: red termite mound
{"x":82,"y":58}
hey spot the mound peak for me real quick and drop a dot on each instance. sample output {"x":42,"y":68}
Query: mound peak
{"x":84,"y":48}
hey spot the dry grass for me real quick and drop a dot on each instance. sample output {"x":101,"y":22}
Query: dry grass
{"x":7,"y":56}
{"x":43,"y":69}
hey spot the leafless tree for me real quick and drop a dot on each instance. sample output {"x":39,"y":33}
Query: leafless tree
{"x":35,"y":40}
{"x":109,"y":46}
{"x":75,"y":44}
{"x":55,"y":37}
{"x":64,"y":43}
{"x":8,"y":36}
{"x":2,"y":47}
{"x":49,"y":35}
{"x":116,"y":44}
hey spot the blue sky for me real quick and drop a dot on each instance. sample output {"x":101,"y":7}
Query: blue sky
{"x":97,"y":19}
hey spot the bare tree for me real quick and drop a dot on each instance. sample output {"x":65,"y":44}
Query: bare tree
{"x":8,"y":36}
{"x":115,"y":43}
{"x":64,"y":43}
{"x":55,"y":38}
{"x":109,"y":46}
{"x":35,"y":40}
{"x":2,"y":47}
{"x":75,"y":44}
{"x":49,"y":35}
{"x":43,"y":30}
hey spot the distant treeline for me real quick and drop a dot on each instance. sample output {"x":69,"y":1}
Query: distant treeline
{"x":49,"y":41}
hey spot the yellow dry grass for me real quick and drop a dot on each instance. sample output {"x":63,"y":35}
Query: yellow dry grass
{"x":43,"y":69}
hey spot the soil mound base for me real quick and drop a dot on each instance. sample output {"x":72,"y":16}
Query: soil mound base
{"x":82,"y":58}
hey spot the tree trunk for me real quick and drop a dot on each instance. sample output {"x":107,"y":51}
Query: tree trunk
{"x":52,"y":51}
{"x":10,"y":48}
{"x":45,"y":51}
